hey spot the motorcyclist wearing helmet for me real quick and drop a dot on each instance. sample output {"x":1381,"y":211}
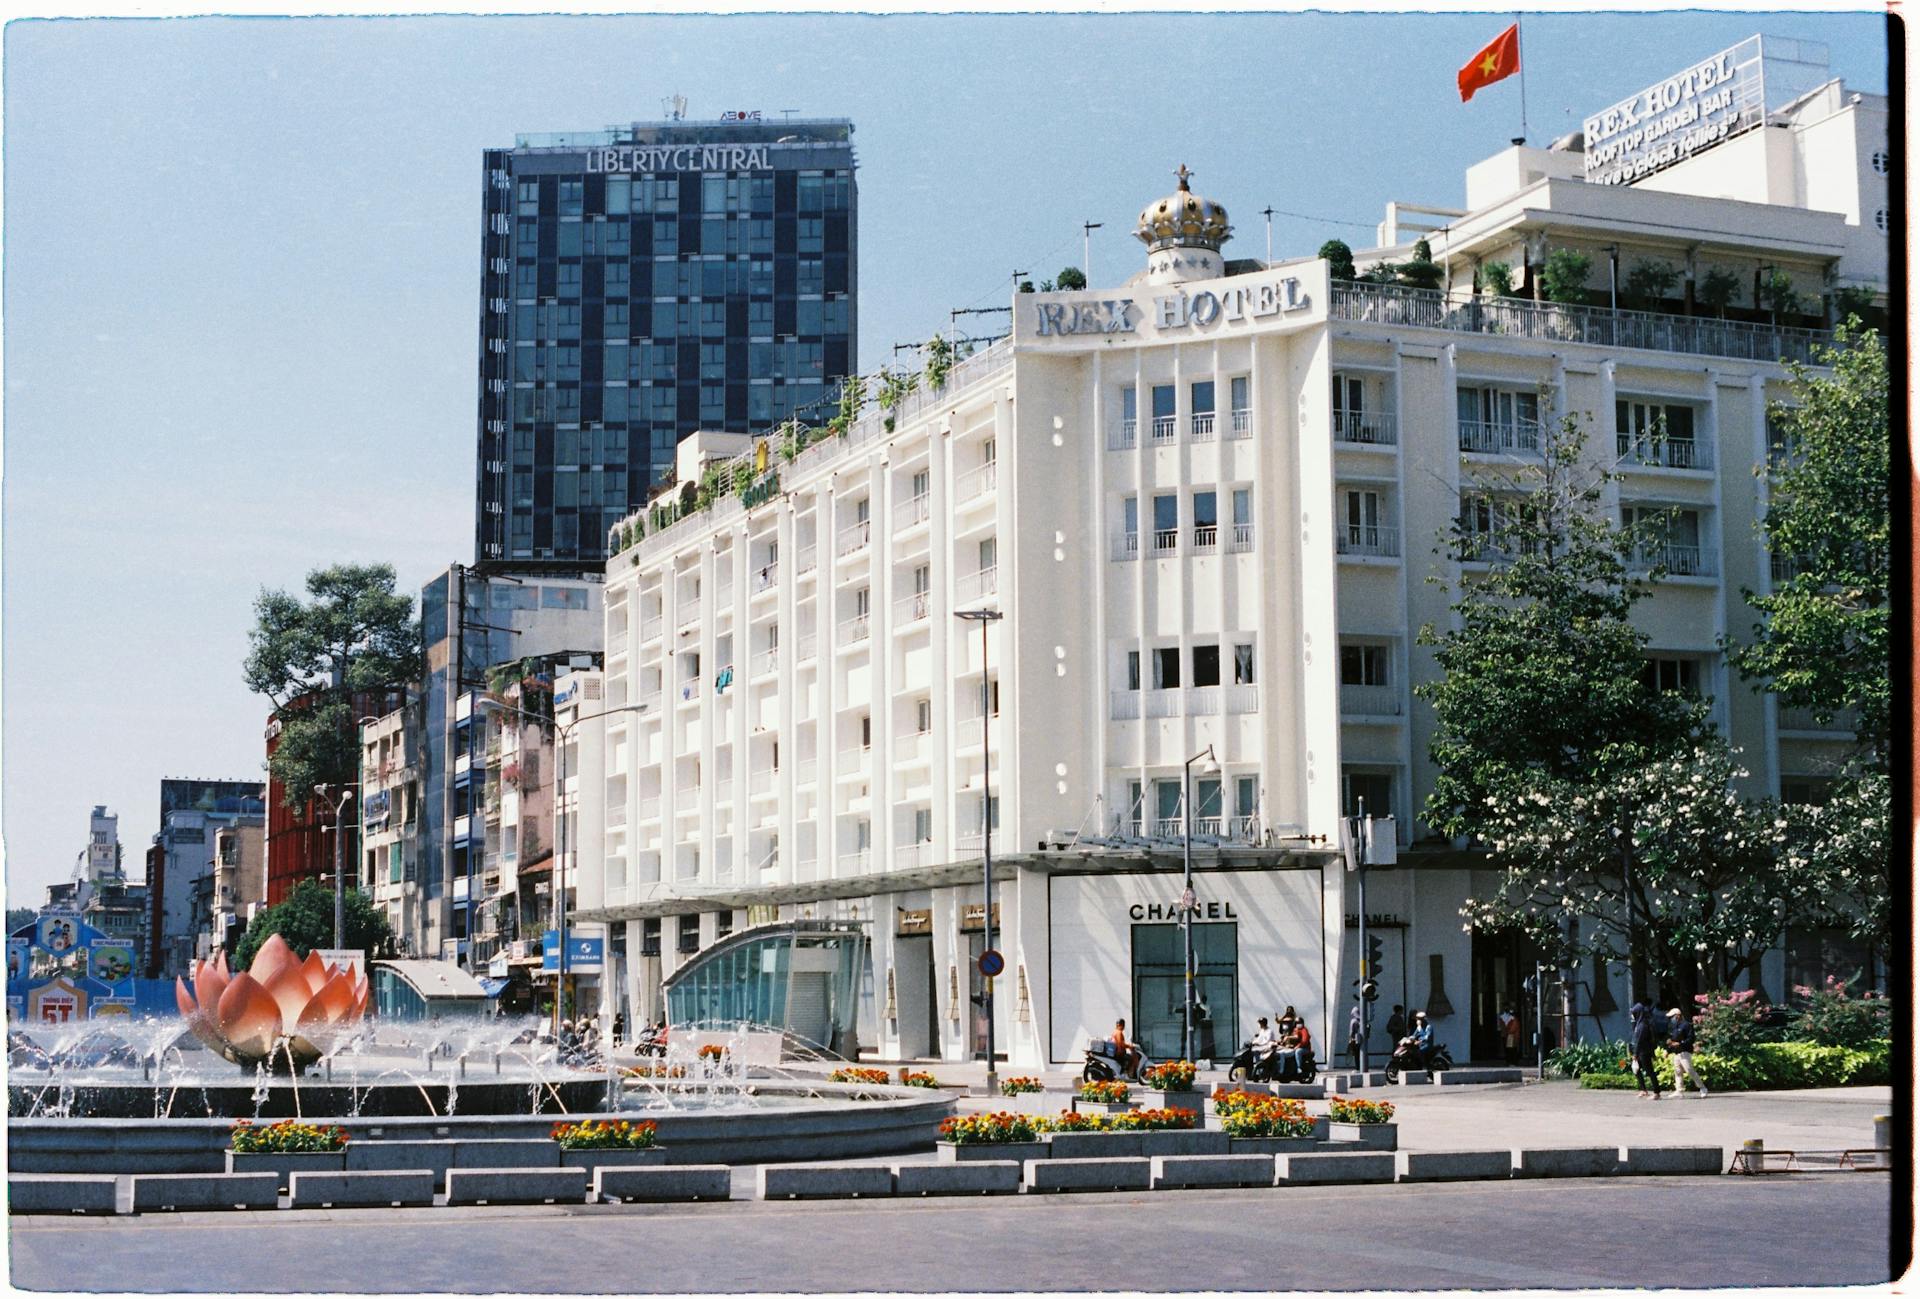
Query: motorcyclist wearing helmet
{"x":1422,"y":1037}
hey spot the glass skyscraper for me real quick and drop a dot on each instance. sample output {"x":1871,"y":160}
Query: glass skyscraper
{"x":639,"y":283}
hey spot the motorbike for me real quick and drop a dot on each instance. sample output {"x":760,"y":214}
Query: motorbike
{"x":1406,"y":1056}
{"x":1274,"y":1066}
{"x":651,"y":1042}
{"x":1103,"y":1063}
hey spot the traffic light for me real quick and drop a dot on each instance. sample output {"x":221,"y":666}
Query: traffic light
{"x":1370,"y":990}
{"x":1371,"y":969}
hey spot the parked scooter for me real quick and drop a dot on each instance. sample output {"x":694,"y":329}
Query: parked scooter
{"x":1406,"y":1057}
{"x":1274,"y":1066}
{"x":1103,"y":1063}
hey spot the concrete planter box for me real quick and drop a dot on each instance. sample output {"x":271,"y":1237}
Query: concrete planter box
{"x":286,"y":1165}
{"x":591,"y":1159}
{"x":1018,"y":1151}
{"x":1095,"y":1145}
{"x":1090,"y":1175}
{"x":1180,"y":1142}
{"x":1368,"y":1136}
{"x":982,"y":1177}
{"x":1188,"y":1100}
{"x":1081,"y":1106}
{"x":1274,"y":1145}
{"x":205,"y":1191}
{"x":62,"y":1195}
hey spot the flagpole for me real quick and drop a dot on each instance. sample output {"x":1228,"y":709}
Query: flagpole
{"x":1519,"y":49}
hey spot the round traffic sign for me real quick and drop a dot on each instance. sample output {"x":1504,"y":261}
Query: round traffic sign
{"x":992,"y":963}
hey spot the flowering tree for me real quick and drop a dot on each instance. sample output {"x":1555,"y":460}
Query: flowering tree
{"x":1703,"y":869}
{"x":1846,"y":844}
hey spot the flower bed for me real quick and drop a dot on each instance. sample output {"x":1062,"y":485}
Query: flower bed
{"x":1019,"y":1086}
{"x":619,"y":1134}
{"x":989,"y":1129}
{"x":713,"y":1051}
{"x":1173,"y":1076}
{"x":286,"y":1137}
{"x":918,"y":1080}
{"x":1249,"y":1114}
{"x":1343,"y":1109}
{"x":654,"y":1071}
{"x":851,"y":1074}
{"x":1104,"y":1093}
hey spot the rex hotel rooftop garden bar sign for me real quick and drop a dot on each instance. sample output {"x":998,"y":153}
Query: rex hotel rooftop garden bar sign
{"x":1672,"y":120}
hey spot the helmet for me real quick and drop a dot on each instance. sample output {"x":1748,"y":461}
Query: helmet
{"x":1419,"y":1014}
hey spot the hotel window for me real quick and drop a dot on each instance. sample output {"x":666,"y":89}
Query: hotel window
{"x":1669,"y":537}
{"x":1656,"y":433}
{"x":1365,"y":531}
{"x":1243,"y":665}
{"x":989,"y":550}
{"x":1129,"y":408}
{"x":1130,"y":523}
{"x":1364,"y":665}
{"x":923,"y":717}
{"x":923,"y":825}
{"x":1136,"y":801}
{"x":1372,"y":790}
{"x":689,"y":935}
{"x":863,"y":835}
{"x":1133,"y":669}
{"x":570,"y":193}
{"x":922,"y":482}
{"x":1246,"y":795}
{"x":1238,"y":396}
{"x":1206,"y":520}
{"x":1166,"y":806}
{"x":1242,"y":538}
{"x":1201,"y":404}
{"x":1349,"y":405}
{"x":1494,"y":420}
{"x":1166,"y":522}
{"x":650,"y":937}
{"x":1206,"y":665}
{"x":1207,"y":805}
{"x":1675,"y":674}
{"x":1166,"y":667}
{"x":529,"y":204}
{"x":866,"y":731}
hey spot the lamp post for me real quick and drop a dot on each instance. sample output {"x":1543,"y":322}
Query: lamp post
{"x":1086,"y":248}
{"x":1188,"y":903}
{"x":339,"y":872}
{"x":983,"y":617}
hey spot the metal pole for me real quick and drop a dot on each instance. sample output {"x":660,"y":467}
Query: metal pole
{"x":1268,"y":214}
{"x":1520,"y":52}
{"x":1186,"y":909}
{"x":1366,"y":1007}
{"x":1539,"y":1019}
{"x":339,"y":877}
{"x":560,"y":879}
{"x":986,"y":841}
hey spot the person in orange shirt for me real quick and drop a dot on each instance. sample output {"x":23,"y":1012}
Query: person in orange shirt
{"x":1302,"y":1044}
{"x":1127,"y":1052}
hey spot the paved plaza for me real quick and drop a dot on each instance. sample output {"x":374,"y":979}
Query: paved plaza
{"x":1574,"y":1233}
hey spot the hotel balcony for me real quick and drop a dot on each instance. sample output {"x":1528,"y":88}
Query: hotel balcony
{"x":976,"y":482}
{"x":975,"y":586}
{"x":1369,"y":701}
{"x":1240,"y":425}
{"x":1202,"y":426}
{"x":1670,"y":453}
{"x":1495,"y":438}
{"x":1367,"y":540}
{"x":1124,"y":436}
{"x":1365,"y":428}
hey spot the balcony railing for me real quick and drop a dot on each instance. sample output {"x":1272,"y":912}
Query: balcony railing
{"x":1369,"y":701}
{"x":807,"y":646}
{"x":1364,"y":428}
{"x":1845,"y":721}
{"x":855,"y":537}
{"x":766,"y":578}
{"x":1124,"y":436}
{"x":976,"y":482}
{"x":1206,"y":537}
{"x":854,"y":629}
{"x":1242,"y":698}
{"x":1165,"y":429}
{"x":766,"y":662}
{"x":1203,"y":426}
{"x":1495,"y":437}
{"x":856,"y":861}
{"x":723,"y":598}
{"x":1162,"y":703}
{"x":912,"y":608}
{"x":908,"y":856}
{"x":1166,"y":539}
{"x":616,"y":641}
{"x":1367,"y":539}
{"x":650,"y":629}
{"x":723,"y":790}
{"x":1240,"y":424}
{"x":1679,"y":561}
{"x":805,"y":773}
{"x":1203,"y":701}
{"x":1646,"y":330}
{"x":1241,"y":538}
{"x":1243,"y":829}
{"x":650,"y":809}
{"x":1670,"y":453}
{"x":807,"y":560}
{"x":1126,"y":546}
{"x":910,"y":512}
{"x":910,"y":746}
{"x":689,"y":611}
{"x":1126,"y":705}
{"x":976,"y":585}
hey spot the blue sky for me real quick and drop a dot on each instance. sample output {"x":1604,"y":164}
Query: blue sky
{"x":241,"y":274}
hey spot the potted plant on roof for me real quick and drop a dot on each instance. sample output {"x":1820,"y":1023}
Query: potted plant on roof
{"x":965,"y":1138}
{"x":286,"y":1147}
{"x":1368,"y":1122}
{"x":617,"y":1143}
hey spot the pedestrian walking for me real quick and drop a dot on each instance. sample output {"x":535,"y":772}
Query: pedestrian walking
{"x":1397,"y":1023}
{"x":1640,"y":1040}
{"x":1355,"y":1036}
{"x":1510,"y":1035}
{"x":1680,"y":1047}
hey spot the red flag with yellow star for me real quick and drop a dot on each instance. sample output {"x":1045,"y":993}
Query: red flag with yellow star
{"x":1498,"y":61}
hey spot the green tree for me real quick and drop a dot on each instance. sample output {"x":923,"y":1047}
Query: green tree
{"x":1071,"y":277}
{"x":1494,"y":279}
{"x":1543,"y":684}
{"x":1422,"y":272}
{"x":1823,"y":642}
{"x":1339,"y":259}
{"x":305,"y":922}
{"x":19,"y":918}
{"x":354,"y":633}
{"x":1564,"y":278}
{"x":1718,"y":290}
{"x":1648,"y":285}
{"x":940,"y":359}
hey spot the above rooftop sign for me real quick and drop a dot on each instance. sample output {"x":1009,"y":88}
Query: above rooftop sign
{"x":1193,"y":307}
{"x":1674,"y":119}
{"x":678,"y":157}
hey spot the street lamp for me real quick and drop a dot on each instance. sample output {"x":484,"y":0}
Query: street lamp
{"x":1086,"y":248}
{"x":983,"y":617}
{"x":1188,"y":902}
{"x":339,"y":869}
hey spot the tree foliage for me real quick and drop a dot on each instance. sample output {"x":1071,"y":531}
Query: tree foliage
{"x":309,"y":657}
{"x":305,"y":921}
{"x":1564,"y":278}
{"x":1823,"y":642}
{"x":1339,"y":259}
{"x":1071,"y":277}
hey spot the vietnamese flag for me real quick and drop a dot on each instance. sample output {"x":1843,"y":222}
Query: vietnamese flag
{"x":1498,"y":61}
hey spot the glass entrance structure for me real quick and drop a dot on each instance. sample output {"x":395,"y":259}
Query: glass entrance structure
{"x":800,"y":978}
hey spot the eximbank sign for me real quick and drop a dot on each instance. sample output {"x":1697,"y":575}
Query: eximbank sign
{"x":1674,"y":119}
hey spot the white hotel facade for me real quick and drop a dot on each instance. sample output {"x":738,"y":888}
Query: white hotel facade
{"x":1205,"y":504}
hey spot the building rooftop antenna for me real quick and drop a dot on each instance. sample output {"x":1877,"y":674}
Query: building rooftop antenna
{"x":675,"y":107}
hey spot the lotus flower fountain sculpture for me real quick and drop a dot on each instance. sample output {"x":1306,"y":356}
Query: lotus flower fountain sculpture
{"x":280,"y":1008}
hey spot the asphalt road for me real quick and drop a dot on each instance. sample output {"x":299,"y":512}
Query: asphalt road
{"x":1820,"y":1229}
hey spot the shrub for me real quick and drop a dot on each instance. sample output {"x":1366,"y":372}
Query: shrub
{"x":1112,"y":1093}
{"x":1495,"y":279}
{"x":1019,"y":1086}
{"x":1564,"y":277}
{"x":1730,"y":1022}
{"x":1829,"y":1017}
{"x":988,"y":1129}
{"x":286,"y":1137}
{"x":1608,"y":1080}
{"x":1250,"y":1115}
{"x":1074,"y":1121}
{"x":1347,"y":1110}
{"x":1339,"y":259}
{"x":1781,"y":1066}
{"x":850,"y":1074}
{"x":1173,"y":1076}
{"x":1577,"y":1059}
{"x":617,"y":1135}
{"x":1171,"y":1119}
